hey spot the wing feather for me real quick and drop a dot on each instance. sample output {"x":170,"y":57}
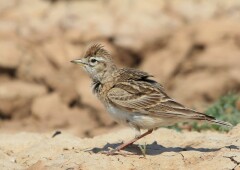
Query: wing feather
{"x":132,"y":100}
{"x":143,"y":98}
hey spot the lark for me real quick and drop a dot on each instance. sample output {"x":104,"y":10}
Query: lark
{"x":133,"y":97}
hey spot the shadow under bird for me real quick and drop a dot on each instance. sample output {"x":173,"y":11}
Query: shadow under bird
{"x":133,"y":98}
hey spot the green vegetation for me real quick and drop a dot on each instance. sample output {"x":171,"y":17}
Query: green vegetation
{"x":227,"y":108}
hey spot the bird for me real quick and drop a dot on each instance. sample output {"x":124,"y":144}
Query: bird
{"x":133,"y":98}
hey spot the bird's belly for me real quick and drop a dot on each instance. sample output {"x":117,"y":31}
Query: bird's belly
{"x":142,"y":121}
{"x":149,"y":122}
{"x":119,"y":115}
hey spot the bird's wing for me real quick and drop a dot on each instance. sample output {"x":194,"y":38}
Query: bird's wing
{"x":130,"y":74}
{"x":133,"y":97}
{"x":145,"y":98}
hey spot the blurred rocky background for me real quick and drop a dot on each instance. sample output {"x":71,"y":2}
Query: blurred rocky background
{"x":191,"y":46}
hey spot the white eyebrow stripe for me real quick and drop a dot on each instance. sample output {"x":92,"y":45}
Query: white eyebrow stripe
{"x":99,"y":59}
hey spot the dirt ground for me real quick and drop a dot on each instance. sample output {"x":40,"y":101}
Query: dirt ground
{"x":165,"y":149}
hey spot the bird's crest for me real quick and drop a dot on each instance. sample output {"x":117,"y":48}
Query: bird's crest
{"x":97,"y":50}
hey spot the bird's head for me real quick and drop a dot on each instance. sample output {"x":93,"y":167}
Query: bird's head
{"x":96,"y":62}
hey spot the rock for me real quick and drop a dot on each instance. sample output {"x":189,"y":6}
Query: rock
{"x":52,"y":109}
{"x":23,"y":11}
{"x":193,"y":11}
{"x":163,"y":63}
{"x":200,"y":88}
{"x":16,"y":96}
{"x":165,"y":149}
{"x":5,"y":78}
{"x":56,"y":53}
{"x":218,"y":31}
{"x":8,"y":29}
{"x":223,"y":56}
{"x":155,"y":25}
{"x":46,"y":106}
{"x":31,"y":66}
{"x":82,"y":26}
{"x":54,"y":75}
{"x":37,"y":31}
{"x":7,"y":4}
{"x":19,"y":89}
{"x":64,"y":83}
{"x":160,"y":64}
{"x":10,"y":55}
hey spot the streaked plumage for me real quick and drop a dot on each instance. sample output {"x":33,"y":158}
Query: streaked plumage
{"x":132,"y":97}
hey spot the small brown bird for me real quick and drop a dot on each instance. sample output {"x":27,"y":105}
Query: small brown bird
{"x":133,"y":98}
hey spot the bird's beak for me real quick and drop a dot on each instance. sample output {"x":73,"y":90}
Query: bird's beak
{"x":79,"y":61}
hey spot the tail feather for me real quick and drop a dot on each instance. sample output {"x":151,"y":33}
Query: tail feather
{"x":212,"y":119}
{"x":189,"y":114}
{"x":219,"y":122}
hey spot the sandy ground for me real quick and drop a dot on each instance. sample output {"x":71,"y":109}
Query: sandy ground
{"x":166,"y":149}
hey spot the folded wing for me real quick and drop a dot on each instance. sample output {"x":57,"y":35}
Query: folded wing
{"x":141,"y":97}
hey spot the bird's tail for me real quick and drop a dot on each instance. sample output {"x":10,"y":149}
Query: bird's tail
{"x":213,"y":120}
{"x":220,"y":122}
{"x":190,"y":114}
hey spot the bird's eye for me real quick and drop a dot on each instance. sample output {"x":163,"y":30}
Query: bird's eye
{"x":93,"y":60}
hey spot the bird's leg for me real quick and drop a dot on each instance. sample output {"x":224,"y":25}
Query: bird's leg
{"x":124,"y":145}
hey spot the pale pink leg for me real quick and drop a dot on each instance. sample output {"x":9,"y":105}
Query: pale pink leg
{"x":124,"y":145}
